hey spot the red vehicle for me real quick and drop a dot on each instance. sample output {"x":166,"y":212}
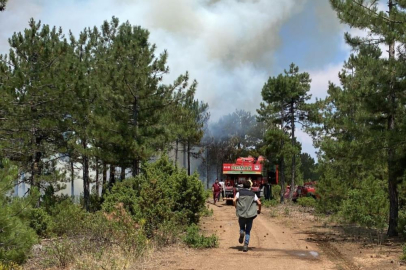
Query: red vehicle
{"x":307,"y":190}
{"x":243,"y":169}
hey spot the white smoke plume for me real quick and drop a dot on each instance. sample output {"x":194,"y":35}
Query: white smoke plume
{"x":228,"y":46}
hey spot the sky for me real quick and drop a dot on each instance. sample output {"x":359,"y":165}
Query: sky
{"x":231,"y":47}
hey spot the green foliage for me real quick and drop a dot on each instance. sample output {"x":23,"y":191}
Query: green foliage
{"x":207,"y":212}
{"x":162,"y":193}
{"x":403,"y":257}
{"x":16,"y":237}
{"x":76,"y":92}
{"x":269,"y":203}
{"x":307,"y":202}
{"x":10,"y":266}
{"x":61,"y":252}
{"x":67,"y":218}
{"x":367,"y":205}
{"x":194,"y":239}
{"x":402,"y":223}
{"x":308,"y":167}
{"x":362,"y":128}
{"x":276,"y":192}
{"x":41,"y":222}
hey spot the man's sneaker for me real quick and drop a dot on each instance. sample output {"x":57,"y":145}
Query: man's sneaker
{"x":245,"y":248}
{"x":241,"y":239}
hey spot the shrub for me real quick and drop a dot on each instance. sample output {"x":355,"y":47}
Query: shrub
{"x":207,"y":212}
{"x":161,"y":194}
{"x":366,"y":205}
{"x":194,"y":239}
{"x":41,"y":222}
{"x":61,"y":252}
{"x":10,"y":266}
{"x":403,"y":257}
{"x":402,"y":222}
{"x":16,"y":237}
{"x":68,"y":218}
{"x":269,"y":203}
{"x":276,"y":192}
{"x":307,"y":201}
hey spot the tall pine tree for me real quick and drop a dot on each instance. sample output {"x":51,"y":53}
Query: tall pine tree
{"x":284,"y":105}
{"x":374,"y":86}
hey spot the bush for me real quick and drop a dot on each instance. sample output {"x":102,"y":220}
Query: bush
{"x":402,"y":222}
{"x":16,"y":237}
{"x":403,"y":257}
{"x":61,"y":252}
{"x":367,"y":205}
{"x":307,"y":201}
{"x":269,"y":203}
{"x":161,"y":194}
{"x":276,"y":192}
{"x":194,"y":239}
{"x":68,"y":218}
{"x":41,"y":222}
{"x":10,"y":266}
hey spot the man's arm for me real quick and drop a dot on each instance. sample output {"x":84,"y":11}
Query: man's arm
{"x":259,"y":206}
{"x":235,"y":201}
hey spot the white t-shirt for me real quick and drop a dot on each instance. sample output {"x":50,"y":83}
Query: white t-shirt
{"x":222,"y":184}
{"x":237,"y":195}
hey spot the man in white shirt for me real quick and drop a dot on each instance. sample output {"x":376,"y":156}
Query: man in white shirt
{"x":222,"y":188}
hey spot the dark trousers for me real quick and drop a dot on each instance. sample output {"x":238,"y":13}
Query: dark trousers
{"x":216,"y":196}
{"x":245,"y":227}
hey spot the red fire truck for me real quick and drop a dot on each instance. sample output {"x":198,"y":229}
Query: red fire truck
{"x":248,"y":168}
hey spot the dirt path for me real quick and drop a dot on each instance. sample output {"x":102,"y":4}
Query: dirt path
{"x":272,"y":246}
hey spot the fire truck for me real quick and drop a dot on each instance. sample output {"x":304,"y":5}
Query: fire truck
{"x":246,"y":168}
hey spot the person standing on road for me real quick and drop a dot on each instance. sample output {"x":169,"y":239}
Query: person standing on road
{"x":246,"y":202}
{"x":216,"y":188}
{"x":222,"y":188}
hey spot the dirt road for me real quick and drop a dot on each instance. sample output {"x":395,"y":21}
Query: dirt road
{"x":272,"y":246}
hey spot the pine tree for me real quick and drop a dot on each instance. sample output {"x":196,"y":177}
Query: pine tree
{"x":139,"y":101}
{"x":373,"y":85}
{"x":32,"y":88}
{"x":195,"y":117}
{"x":284,"y":105}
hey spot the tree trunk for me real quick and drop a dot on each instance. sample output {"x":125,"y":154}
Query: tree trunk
{"x":292,"y":182}
{"x":104,"y":181}
{"x":112,"y":178}
{"x":176,"y":152}
{"x":207,"y":168}
{"x":135,"y":170}
{"x":135,"y":123}
{"x":122,"y":173}
{"x":86,"y":189}
{"x":392,"y":183}
{"x":188,"y":157}
{"x":72,"y":177}
{"x":282,"y":173}
{"x":97,"y":178}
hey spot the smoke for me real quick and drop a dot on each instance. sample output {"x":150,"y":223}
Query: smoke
{"x":230,"y":47}
{"x":227,"y":45}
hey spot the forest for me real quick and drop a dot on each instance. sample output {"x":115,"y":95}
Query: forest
{"x":100,"y":99}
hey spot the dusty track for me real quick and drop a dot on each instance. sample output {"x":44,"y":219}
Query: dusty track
{"x":272,"y":246}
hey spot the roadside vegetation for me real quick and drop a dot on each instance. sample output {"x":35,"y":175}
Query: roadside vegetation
{"x":149,"y":211}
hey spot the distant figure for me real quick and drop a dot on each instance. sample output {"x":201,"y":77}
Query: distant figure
{"x":245,"y":202}
{"x":222,"y":188}
{"x":216,"y":188}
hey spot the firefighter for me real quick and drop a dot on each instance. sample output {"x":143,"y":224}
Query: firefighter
{"x":246,"y":202}
{"x":216,"y":188}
